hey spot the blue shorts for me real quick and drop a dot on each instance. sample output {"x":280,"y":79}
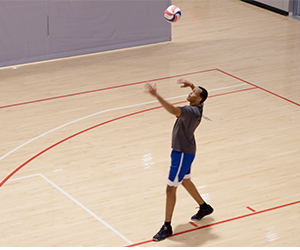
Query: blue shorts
{"x":180,"y":168}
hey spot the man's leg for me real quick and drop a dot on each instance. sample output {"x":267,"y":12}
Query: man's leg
{"x":170,"y":202}
{"x":174,"y":179}
{"x":190,"y":187}
{"x":204,"y":209}
{"x":166,"y":229}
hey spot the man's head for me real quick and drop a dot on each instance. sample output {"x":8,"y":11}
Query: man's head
{"x":204,"y":94}
{"x":197,"y":96}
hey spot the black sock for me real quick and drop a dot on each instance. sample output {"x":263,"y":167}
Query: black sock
{"x":168,"y":224}
{"x":204,"y":205}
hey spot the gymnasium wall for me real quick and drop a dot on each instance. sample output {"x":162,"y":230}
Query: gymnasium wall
{"x":279,"y":4}
{"x":284,"y":7}
{"x":36,"y":30}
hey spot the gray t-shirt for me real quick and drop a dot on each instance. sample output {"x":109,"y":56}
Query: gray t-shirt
{"x":183,"y":139}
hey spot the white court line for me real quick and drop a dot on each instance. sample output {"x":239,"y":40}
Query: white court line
{"x":57,"y":170}
{"x":25,"y":177}
{"x":78,"y":203}
{"x":101,"y":112}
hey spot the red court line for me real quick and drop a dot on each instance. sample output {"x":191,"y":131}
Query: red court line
{"x":232,"y":92}
{"x":220,"y":222}
{"x":103,"y":89}
{"x":109,"y":121}
{"x":68,"y":138}
{"x":251,"y":209}
{"x":136,"y":83}
{"x":193,"y":224}
{"x":268,"y":91}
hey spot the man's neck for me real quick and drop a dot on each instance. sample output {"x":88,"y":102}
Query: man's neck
{"x":194,"y":104}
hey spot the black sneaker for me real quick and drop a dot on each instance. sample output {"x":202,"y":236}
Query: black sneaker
{"x":202,"y":212}
{"x":163,"y":233}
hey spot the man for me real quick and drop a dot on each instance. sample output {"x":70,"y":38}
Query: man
{"x":183,"y":153}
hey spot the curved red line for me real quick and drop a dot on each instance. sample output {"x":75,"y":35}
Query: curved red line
{"x":68,"y":138}
{"x":96,"y":126}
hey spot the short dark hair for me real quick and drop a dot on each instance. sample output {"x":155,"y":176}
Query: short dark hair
{"x":203,"y":94}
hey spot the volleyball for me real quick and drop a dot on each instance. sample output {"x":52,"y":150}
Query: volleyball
{"x":172,"y":14}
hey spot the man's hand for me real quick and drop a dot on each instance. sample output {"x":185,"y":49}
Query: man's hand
{"x":185,"y":83}
{"x":151,"y":88}
{"x":168,"y":106}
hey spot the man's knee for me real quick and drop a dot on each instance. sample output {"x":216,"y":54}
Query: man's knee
{"x":171,"y":190}
{"x":186,"y":182}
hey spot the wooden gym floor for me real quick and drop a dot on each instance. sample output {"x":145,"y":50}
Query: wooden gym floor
{"x":85,"y":152}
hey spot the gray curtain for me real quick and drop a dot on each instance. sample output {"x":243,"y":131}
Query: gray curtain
{"x":35,"y":30}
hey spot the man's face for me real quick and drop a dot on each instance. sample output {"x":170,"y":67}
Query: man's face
{"x":194,"y":96}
